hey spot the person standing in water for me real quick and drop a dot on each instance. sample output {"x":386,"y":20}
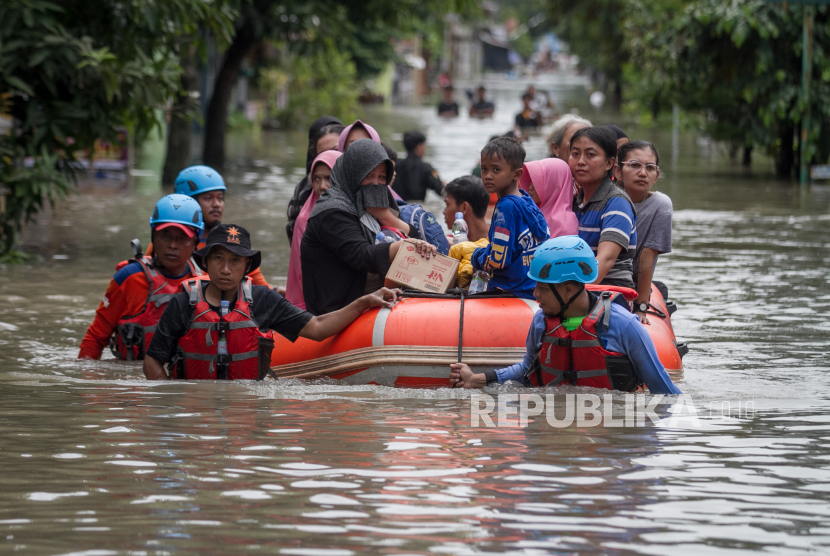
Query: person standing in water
{"x":637,"y":171}
{"x":606,"y":215}
{"x":136,"y":296}
{"x":577,"y":337}
{"x":202,"y":340}
{"x":204,"y":184}
{"x":448,"y":108}
{"x":482,"y":108}
{"x":414,"y":176}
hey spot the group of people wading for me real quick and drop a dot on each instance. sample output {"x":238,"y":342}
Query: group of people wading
{"x":196,"y":306}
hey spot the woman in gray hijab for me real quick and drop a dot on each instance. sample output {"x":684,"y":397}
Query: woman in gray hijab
{"x":340,"y":258}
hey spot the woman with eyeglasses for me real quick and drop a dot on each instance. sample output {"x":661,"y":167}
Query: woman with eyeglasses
{"x":606,"y":215}
{"x":637,"y":171}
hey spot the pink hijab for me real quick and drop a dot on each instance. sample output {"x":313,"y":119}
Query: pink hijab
{"x":341,"y":146}
{"x":553,"y":182}
{"x":294,"y":287}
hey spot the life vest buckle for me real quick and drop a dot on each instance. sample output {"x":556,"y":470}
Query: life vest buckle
{"x":570,"y":376}
{"x":223,"y":326}
{"x":223,"y":359}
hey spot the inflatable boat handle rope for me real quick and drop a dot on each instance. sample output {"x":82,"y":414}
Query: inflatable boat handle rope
{"x":453,"y":294}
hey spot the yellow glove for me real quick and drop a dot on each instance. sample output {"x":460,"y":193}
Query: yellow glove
{"x":463,"y":252}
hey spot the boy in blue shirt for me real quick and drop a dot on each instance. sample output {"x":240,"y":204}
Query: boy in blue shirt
{"x":518,"y":226}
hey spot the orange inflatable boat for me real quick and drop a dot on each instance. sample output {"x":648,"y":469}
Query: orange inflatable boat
{"x":413,"y":344}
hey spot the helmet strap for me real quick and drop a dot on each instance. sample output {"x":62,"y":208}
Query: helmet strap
{"x":563,"y":306}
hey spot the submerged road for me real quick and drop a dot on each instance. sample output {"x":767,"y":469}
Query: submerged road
{"x":97,"y":461}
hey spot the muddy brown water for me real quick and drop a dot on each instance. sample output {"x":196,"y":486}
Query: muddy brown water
{"x":97,"y":461}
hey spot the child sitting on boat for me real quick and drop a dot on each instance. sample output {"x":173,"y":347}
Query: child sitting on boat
{"x":518,"y":226}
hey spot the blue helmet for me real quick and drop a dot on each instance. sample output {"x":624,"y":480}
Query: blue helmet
{"x":562,"y":259}
{"x":178,"y":209}
{"x":199,"y":179}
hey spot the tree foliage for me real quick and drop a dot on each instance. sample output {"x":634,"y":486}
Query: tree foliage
{"x":74,"y":72}
{"x":738,"y":63}
{"x":593,"y":30}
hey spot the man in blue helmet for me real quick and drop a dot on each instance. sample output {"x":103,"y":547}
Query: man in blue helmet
{"x":577,"y":337}
{"x":138,"y":293}
{"x":204,"y":184}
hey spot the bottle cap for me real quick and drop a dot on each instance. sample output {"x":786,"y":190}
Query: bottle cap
{"x":224,"y":303}
{"x":459,"y":216}
{"x":380,"y":236}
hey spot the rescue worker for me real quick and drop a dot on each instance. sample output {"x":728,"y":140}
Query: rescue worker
{"x":199,"y":338}
{"x":142,"y":287}
{"x":578,"y":337}
{"x":204,"y":184}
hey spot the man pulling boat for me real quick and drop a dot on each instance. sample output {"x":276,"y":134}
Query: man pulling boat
{"x":222,"y":328}
{"x":578,"y":337}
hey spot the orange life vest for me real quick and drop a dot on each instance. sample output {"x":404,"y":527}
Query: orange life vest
{"x":249,"y":349}
{"x":578,"y":357}
{"x":134,"y":333}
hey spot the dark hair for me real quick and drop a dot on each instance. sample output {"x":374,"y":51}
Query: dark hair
{"x":323,"y":131}
{"x":508,"y":149}
{"x":634,"y":145}
{"x":527,"y":96}
{"x":600,"y":135}
{"x":411,"y":140}
{"x":390,"y":152}
{"x":448,"y":88}
{"x":616,"y":130}
{"x":469,"y":189}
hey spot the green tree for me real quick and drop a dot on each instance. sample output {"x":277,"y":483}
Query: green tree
{"x":360,"y":28}
{"x":739,"y":65}
{"x":593,"y":30}
{"x":74,"y":72}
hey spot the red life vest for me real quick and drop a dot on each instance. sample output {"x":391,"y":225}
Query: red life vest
{"x":577,"y":357}
{"x":134,"y":333}
{"x":249,"y":349}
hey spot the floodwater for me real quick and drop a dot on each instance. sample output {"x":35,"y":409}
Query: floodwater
{"x":97,"y":461}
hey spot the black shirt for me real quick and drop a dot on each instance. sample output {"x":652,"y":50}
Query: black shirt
{"x":336,"y":255}
{"x":414,"y":177}
{"x":529,"y":119}
{"x":483,"y":106}
{"x":269,"y":309}
{"x":445,"y":107}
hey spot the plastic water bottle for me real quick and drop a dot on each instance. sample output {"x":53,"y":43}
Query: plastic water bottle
{"x":383,"y":238}
{"x":222,"y":346}
{"x":479,"y":282}
{"x":459,"y":229}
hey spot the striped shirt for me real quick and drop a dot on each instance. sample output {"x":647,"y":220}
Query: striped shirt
{"x":610,"y":216}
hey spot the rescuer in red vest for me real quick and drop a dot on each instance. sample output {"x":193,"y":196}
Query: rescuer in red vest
{"x":578,"y":337}
{"x":138,"y":293}
{"x":223,"y":328}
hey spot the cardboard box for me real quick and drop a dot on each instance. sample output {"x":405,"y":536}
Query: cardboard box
{"x":435,"y":275}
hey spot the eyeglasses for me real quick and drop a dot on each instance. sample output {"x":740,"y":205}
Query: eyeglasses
{"x":636,"y":165}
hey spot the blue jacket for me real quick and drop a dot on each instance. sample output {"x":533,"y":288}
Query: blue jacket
{"x":517,"y":229}
{"x":625,"y":335}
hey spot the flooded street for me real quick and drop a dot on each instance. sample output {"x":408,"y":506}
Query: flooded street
{"x":97,"y":461}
